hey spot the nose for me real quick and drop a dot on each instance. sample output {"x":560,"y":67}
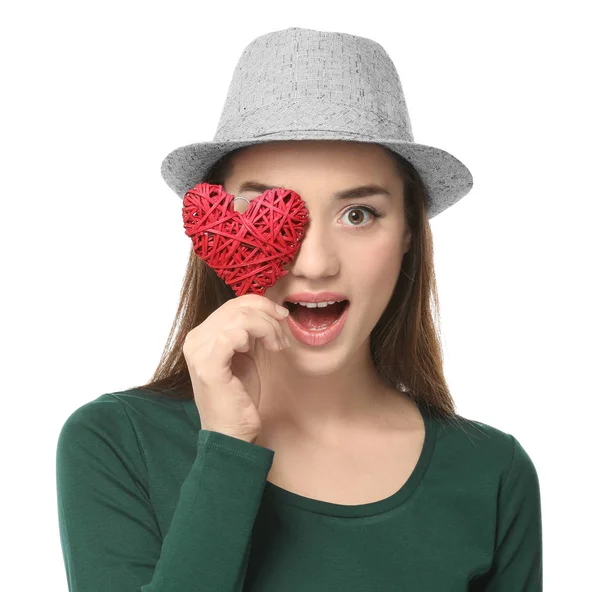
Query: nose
{"x":317,"y":256}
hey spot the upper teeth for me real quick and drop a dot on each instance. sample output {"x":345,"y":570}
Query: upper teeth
{"x":316,"y":304}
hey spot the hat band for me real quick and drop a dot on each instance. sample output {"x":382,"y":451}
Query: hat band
{"x":293,"y":118}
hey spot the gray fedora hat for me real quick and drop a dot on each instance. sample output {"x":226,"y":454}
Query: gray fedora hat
{"x":304,"y":84}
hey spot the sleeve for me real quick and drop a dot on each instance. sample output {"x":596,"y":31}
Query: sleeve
{"x":517,"y":565}
{"x":110,"y":538}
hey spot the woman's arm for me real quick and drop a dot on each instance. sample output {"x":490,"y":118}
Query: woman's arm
{"x":109,"y":534}
{"x":517,"y":563}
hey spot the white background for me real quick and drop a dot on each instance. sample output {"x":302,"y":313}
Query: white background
{"x":93,"y":249}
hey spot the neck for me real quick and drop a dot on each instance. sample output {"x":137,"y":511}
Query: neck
{"x":313,"y":394}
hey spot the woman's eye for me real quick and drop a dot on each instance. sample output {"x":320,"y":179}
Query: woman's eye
{"x":355,"y":219}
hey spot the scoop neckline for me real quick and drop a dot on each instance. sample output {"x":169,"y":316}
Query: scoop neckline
{"x":276,"y":493}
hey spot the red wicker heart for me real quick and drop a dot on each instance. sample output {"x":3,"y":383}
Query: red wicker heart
{"x":247,"y":250}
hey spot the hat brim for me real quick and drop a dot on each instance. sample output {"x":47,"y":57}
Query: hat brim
{"x":446,"y":179}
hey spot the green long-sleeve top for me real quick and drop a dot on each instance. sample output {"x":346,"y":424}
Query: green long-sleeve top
{"x":150,"y":502}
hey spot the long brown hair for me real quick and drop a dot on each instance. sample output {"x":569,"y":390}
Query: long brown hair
{"x":405,"y":343}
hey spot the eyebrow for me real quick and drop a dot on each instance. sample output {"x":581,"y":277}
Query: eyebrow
{"x":352,"y":193}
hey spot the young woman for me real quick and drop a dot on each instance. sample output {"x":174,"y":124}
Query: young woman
{"x":305,"y":438}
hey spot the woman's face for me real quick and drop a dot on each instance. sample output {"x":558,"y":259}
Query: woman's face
{"x":345,"y":248}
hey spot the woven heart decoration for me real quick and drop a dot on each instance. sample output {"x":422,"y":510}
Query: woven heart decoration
{"x":247,"y":250}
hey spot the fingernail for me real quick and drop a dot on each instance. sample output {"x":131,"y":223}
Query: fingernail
{"x":282,"y":310}
{"x":287,"y":340}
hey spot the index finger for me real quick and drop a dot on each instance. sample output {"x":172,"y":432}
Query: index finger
{"x":265,"y":304}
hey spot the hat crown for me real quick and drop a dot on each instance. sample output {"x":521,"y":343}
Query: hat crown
{"x":303,"y":84}
{"x":303,"y":80}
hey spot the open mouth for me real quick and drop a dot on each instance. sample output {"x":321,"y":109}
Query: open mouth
{"x":317,"y":317}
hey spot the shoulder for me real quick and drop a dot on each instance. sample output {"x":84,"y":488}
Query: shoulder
{"x":128,"y":407}
{"x":120,"y":422}
{"x":101,"y":424}
{"x":483,"y":447}
{"x":103,"y":413}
